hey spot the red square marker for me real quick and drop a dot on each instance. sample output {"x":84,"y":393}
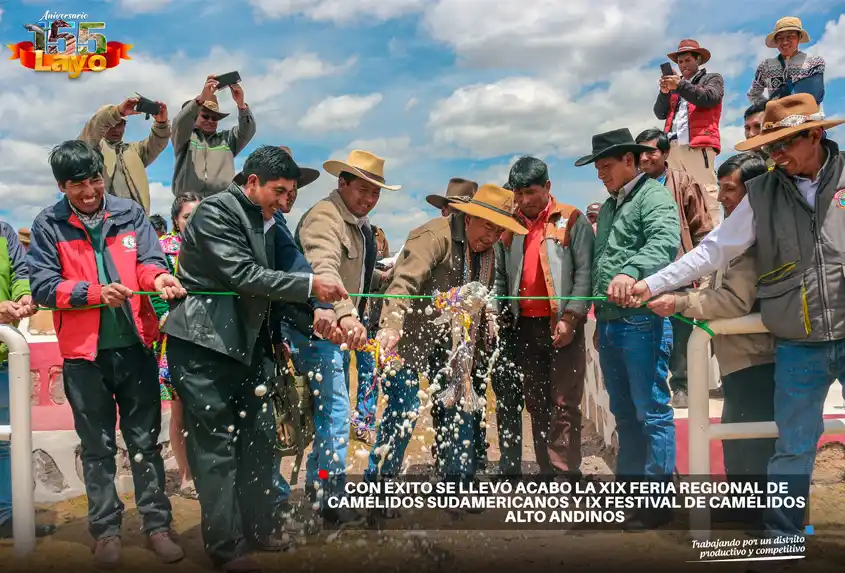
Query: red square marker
{"x":323,"y":474}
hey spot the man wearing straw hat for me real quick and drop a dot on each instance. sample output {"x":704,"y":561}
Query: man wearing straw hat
{"x":444,"y":253}
{"x":795,"y":214}
{"x":337,"y":239}
{"x":792,"y":70}
{"x":205,"y":157}
{"x":691,"y":105}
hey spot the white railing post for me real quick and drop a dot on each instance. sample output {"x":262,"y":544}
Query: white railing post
{"x":20,"y":428}
{"x":698,"y":380}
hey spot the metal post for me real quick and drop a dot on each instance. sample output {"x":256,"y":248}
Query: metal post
{"x":698,"y":373}
{"x":700,"y":430}
{"x":20,"y":390}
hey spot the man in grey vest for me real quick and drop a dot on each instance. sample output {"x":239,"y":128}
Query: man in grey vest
{"x":795,"y":214}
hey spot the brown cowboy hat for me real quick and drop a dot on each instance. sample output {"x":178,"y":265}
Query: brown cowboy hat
{"x":788,"y":24}
{"x":212,"y":106}
{"x":786,"y":116}
{"x":23,"y":236}
{"x":593,"y":208}
{"x":457,"y":190}
{"x":492,"y":203}
{"x":306,"y":174}
{"x":690,"y":46}
{"x":368,"y":166}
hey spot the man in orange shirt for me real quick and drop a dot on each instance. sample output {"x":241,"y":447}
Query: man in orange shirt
{"x":553,"y":259}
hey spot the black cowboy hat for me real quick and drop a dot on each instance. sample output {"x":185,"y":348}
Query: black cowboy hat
{"x":613,"y":144}
{"x":306,"y":174}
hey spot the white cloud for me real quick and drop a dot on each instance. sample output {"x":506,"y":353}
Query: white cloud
{"x":338,"y":11}
{"x":26,"y":182}
{"x":528,"y":115}
{"x":143,"y":6}
{"x":576,"y":39}
{"x":337,"y":113}
{"x":41,"y":109}
{"x":831,"y":46}
{"x":411,"y":103}
{"x":161,"y":199}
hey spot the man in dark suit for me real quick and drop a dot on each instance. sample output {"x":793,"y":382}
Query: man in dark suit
{"x":220,"y":354}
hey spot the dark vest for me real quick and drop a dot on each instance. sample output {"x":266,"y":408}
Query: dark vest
{"x":801,"y":253}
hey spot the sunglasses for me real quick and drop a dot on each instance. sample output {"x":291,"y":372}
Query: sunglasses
{"x":781,"y":145}
{"x":208,"y":117}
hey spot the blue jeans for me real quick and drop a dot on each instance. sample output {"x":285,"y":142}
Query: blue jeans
{"x":402,"y":398}
{"x":331,"y":404}
{"x":367,"y":390}
{"x":803,"y":375}
{"x":5,"y":461}
{"x":634,"y":356}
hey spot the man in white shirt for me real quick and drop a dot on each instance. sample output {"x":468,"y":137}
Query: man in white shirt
{"x":795,"y":214}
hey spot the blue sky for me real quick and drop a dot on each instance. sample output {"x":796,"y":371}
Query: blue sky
{"x":440,"y":88}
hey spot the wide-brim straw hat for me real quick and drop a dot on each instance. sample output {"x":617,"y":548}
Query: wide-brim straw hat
{"x":613,"y":144}
{"x":306,"y":174}
{"x":690,"y":46}
{"x":786,"y":116}
{"x":788,"y":24}
{"x":212,"y":106}
{"x":492,"y":203}
{"x":458,"y":189}
{"x":368,"y":166}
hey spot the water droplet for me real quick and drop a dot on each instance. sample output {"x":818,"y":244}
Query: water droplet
{"x":242,"y":414}
{"x":260,"y":390}
{"x":318,"y":377}
{"x":139,"y":457}
{"x":231,"y":428}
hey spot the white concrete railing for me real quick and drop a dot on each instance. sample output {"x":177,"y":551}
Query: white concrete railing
{"x":23,"y":496}
{"x":701,"y":431}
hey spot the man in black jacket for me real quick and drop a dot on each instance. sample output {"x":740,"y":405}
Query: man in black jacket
{"x":220,"y":354}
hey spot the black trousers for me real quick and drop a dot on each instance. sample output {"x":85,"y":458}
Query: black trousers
{"x":128,"y":379}
{"x":230,"y":443}
{"x":507,"y":385}
{"x":749,"y":397}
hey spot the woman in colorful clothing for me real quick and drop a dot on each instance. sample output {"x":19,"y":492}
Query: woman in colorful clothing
{"x":792,"y":71}
{"x":170,"y":244}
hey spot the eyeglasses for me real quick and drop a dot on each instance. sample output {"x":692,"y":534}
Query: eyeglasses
{"x":781,"y":145}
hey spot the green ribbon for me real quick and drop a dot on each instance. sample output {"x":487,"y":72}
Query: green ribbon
{"x":695,"y":323}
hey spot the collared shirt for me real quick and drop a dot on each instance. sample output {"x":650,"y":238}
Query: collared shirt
{"x":90,"y":219}
{"x":627,"y":188}
{"x":680,"y":123}
{"x":729,"y":240}
{"x":662,"y":178}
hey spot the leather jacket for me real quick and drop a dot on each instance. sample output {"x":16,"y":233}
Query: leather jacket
{"x":225,"y":249}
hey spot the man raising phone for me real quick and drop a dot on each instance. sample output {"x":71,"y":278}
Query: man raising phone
{"x":125,"y":164}
{"x":205,"y":157}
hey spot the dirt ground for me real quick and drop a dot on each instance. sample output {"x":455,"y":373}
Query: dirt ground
{"x":668,"y":549}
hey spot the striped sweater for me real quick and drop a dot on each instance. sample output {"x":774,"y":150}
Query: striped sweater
{"x":804,"y":74}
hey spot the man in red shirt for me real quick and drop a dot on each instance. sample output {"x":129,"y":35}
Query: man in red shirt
{"x":553,"y":259}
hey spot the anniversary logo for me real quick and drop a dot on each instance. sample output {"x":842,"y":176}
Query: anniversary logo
{"x":68,"y":43}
